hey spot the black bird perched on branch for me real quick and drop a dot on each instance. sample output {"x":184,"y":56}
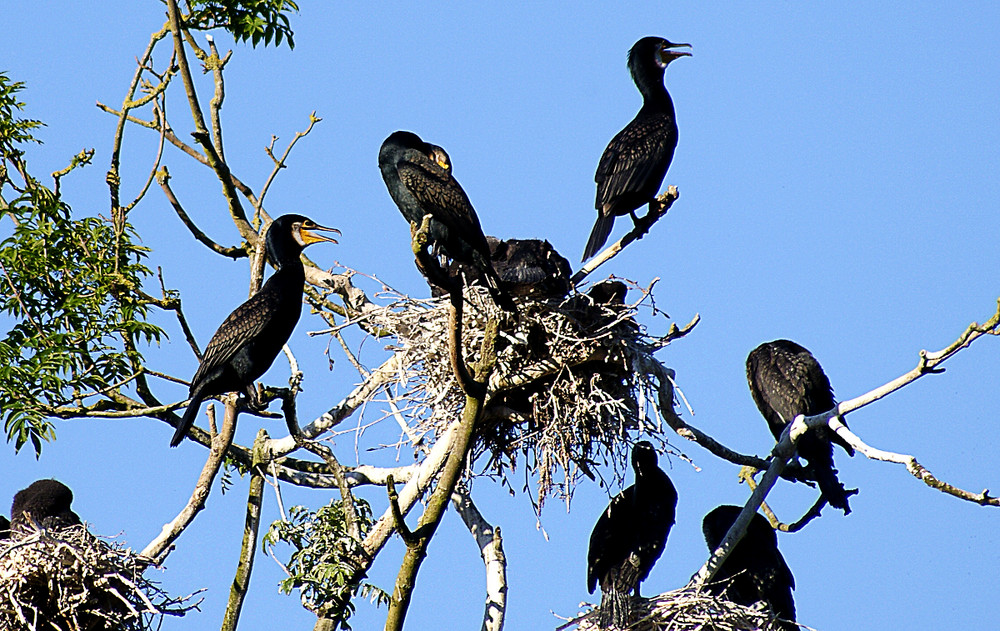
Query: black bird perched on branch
{"x":247,"y":342}
{"x":630,"y":536}
{"x":44,"y":502}
{"x":4,"y":528}
{"x":634,"y":163}
{"x":754,"y":570}
{"x":785,"y":381}
{"x":418,"y":176}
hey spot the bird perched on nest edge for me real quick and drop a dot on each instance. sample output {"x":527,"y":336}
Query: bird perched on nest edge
{"x":419,"y":179}
{"x":44,"y":502}
{"x":630,"y":536}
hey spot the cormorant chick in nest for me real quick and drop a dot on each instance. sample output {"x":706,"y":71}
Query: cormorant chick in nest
{"x":754,"y":570}
{"x":526,"y":267}
{"x":44,"y":502}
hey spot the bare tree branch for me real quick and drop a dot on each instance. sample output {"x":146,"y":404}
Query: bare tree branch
{"x":784,"y":449}
{"x":255,"y":498}
{"x":236,"y":252}
{"x":642,"y":226}
{"x":491,"y":548}
{"x":158,"y":549}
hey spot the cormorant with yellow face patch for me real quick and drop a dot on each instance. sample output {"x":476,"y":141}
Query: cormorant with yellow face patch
{"x":419,"y":177}
{"x":634,"y":163}
{"x":251,"y":337}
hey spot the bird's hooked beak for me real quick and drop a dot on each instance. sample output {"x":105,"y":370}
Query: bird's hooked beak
{"x":667,"y":54}
{"x":309,"y":235}
{"x":441,"y":158}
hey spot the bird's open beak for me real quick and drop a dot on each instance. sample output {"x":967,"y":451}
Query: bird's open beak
{"x":667,"y":55}
{"x":309,"y":236}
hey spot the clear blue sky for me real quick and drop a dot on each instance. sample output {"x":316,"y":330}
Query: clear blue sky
{"x":838,"y":176}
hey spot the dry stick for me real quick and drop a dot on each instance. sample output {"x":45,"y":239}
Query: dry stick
{"x":642,"y":226}
{"x":217,"y":65}
{"x":241,"y":581}
{"x":491,"y":548}
{"x":780,"y":456}
{"x":201,"y":133}
{"x":438,"y":502}
{"x":665,"y":399}
{"x":280,"y":163}
{"x":747,"y":475}
{"x":158,"y":549}
{"x":915,"y":468}
{"x":163,"y":179}
{"x":114,"y":182}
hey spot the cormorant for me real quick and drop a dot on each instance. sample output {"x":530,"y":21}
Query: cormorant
{"x":247,"y":342}
{"x":785,"y":381}
{"x":44,"y":502}
{"x":4,"y":528}
{"x":634,"y":163}
{"x":526,"y":267}
{"x":630,"y":536}
{"x":754,"y":570}
{"x":418,"y":176}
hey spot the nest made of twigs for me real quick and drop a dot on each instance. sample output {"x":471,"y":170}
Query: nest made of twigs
{"x":687,"y":609}
{"x":564,"y":392}
{"x":68,"y":579}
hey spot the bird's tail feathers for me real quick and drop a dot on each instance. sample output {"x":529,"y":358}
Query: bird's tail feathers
{"x":499,"y":294}
{"x":187,"y":420}
{"x":615,"y":609}
{"x":599,"y":235}
{"x":831,"y":488}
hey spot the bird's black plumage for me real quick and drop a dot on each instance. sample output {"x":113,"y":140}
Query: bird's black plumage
{"x":754,"y":570}
{"x":4,"y":527}
{"x":526,"y":267}
{"x":634,"y":163}
{"x":630,"y":536}
{"x":247,"y":341}
{"x":44,"y":502}
{"x":419,"y":179}
{"x":785,"y":381}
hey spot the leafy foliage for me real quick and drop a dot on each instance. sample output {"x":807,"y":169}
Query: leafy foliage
{"x":13,"y":130}
{"x":254,"y":20}
{"x":324,"y":565}
{"x":71,"y":288}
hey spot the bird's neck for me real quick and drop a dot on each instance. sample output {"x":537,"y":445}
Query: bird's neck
{"x":654,"y":94}
{"x":290,"y":272}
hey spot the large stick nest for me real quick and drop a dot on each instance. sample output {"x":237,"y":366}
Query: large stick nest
{"x":565,"y":391}
{"x":687,"y":609}
{"x":69,"y":580}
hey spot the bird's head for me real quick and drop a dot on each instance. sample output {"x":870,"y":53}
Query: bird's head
{"x":650,"y":54}
{"x":288,"y":233}
{"x":439,"y":156}
{"x":643,"y":457}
